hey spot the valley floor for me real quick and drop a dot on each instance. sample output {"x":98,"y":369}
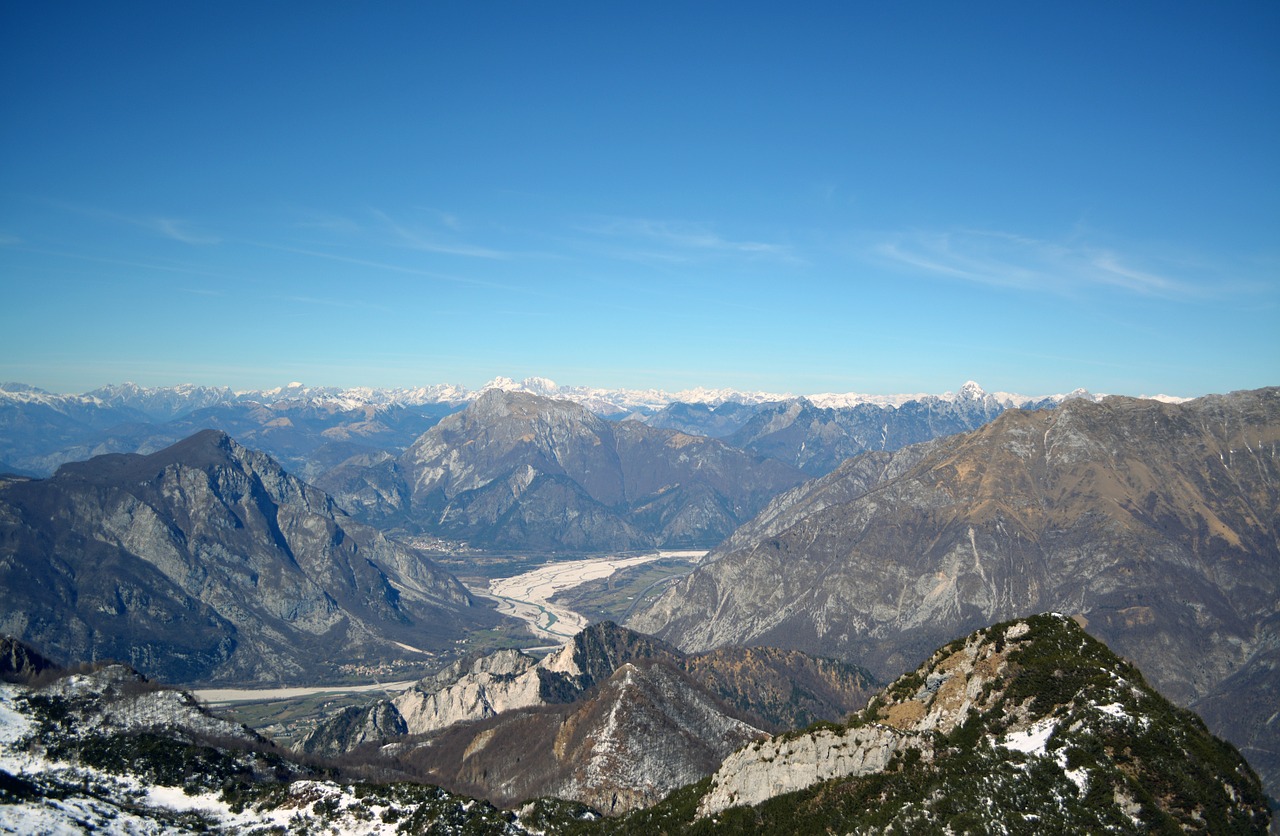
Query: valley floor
{"x":221,"y":696}
{"x":528,"y":596}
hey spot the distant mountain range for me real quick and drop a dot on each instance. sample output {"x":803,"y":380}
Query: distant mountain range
{"x":199,"y":559}
{"x":311,"y":429}
{"x":162,"y":403}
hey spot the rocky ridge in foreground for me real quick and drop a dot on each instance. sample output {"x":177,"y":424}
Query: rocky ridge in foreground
{"x":1025,"y":727}
{"x":1019,"y":727}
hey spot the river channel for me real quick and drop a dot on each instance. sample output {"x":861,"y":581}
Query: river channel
{"x":527,"y":596}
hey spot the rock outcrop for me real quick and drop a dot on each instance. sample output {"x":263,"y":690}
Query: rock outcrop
{"x":645,"y":731}
{"x":769,"y":768}
{"x":771,"y":688}
{"x":614,"y":719}
{"x":1012,"y":727}
{"x":21,"y":663}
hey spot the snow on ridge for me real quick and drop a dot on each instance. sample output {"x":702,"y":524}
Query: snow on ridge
{"x":1032,"y":740}
{"x":187,"y":396}
{"x":970,"y":391}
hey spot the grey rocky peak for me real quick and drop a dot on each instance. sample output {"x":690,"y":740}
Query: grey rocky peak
{"x":207,"y":562}
{"x":517,"y":470}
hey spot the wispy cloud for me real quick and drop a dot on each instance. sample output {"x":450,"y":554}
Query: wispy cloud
{"x":122,"y":262}
{"x":646,"y":239}
{"x":350,"y":304}
{"x":1003,"y":259}
{"x":178,"y":230}
{"x":424,"y":237}
{"x":328,"y":223}
{"x":388,"y":266}
{"x":175,"y":229}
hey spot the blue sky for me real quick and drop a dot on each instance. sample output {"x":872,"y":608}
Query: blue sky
{"x":834,"y":197}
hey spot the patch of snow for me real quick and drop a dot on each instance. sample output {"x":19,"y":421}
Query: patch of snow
{"x":1032,"y":740}
{"x":1079,"y":777}
{"x":1115,"y":709}
{"x":14,"y":726}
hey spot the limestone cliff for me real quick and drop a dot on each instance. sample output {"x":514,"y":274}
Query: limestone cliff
{"x":1016,"y":726}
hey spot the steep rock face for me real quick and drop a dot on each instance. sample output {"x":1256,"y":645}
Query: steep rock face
{"x":771,"y":688}
{"x":516,"y":470}
{"x":1158,"y":522}
{"x":500,"y":682}
{"x":1016,"y":725}
{"x":755,"y":774}
{"x":20,"y":662}
{"x":354,"y":726}
{"x":1242,"y":708}
{"x":780,"y":689}
{"x":645,"y":731}
{"x":506,"y":680}
{"x":207,"y":562}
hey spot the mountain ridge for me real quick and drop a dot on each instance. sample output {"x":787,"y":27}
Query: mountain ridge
{"x":207,"y":562}
{"x":169,"y":401}
{"x":1156,"y":521}
{"x":521,"y":471}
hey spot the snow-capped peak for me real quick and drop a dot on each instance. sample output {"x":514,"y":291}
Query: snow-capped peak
{"x":167,"y":401}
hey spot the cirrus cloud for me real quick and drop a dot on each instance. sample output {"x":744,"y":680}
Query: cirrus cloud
{"x":1009,"y":260}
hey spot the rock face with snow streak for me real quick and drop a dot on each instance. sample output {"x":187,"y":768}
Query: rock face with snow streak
{"x":645,"y":731}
